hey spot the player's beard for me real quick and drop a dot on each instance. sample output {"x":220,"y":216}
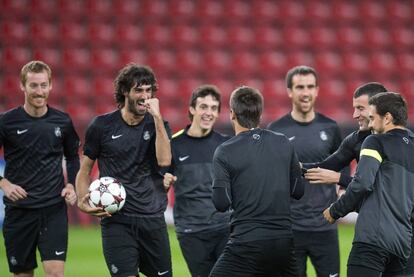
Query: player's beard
{"x":132,"y":106}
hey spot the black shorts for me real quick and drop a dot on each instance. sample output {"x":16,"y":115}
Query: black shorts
{"x":202,"y":249}
{"x":25,"y":230}
{"x":321,"y":247}
{"x":373,"y":257}
{"x":257,"y":258}
{"x":138,"y":244}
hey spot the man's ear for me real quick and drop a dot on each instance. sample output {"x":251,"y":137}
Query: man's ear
{"x":388,"y":118}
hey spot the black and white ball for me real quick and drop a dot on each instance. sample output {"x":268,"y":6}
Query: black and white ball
{"x":108,"y":193}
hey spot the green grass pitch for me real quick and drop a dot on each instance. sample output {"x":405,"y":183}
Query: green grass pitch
{"x":85,"y":257}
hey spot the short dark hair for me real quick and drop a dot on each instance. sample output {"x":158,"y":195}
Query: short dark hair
{"x":131,"y":75}
{"x":203,"y":91}
{"x":36,"y":67}
{"x":393,"y":103}
{"x":300,"y":70}
{"x":247,"y":105}
{"x":370,"y":89}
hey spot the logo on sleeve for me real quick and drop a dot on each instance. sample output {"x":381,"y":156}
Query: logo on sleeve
{"x":291,"y":138}
{"x":117,"y":136}
{"x":162,"y":273}
{"x":19,"y":132}
{"x":58,"y":253}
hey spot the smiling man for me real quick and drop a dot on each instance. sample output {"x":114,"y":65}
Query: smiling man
{"x":314,"y":137}
{"x":36,"y":137}
{"x":201,"y":230}
{"x":383,"y":192}
{"x":132,"y":145}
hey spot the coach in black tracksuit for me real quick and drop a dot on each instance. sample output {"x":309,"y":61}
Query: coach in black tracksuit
{"x":255,"y":174}
{"x":201,"y":230}
{"x":383,"y":191}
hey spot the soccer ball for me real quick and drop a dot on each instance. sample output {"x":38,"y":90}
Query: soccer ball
{"x":108,"y":193}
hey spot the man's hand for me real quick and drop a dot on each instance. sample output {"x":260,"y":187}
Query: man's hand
{"x":69,"y":194}
{"x":83,"y":205}
{"x":153,"y":107}
{"x":12,"y":191}
{"x":169,"y":180}
{"x":319,"y":175}
{"x":327,"y":215}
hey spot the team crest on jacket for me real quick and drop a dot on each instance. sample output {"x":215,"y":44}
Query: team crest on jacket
{"x":323,"y":135}
{"x":146,"y":135}
{"x":58,"y":132}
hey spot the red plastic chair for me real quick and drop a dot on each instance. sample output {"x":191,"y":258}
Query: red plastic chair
{"x":101,"y":34}
{"x":44,"y":33}
{"x":14,"y":57}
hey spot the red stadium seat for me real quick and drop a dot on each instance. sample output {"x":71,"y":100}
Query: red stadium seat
{"x":345,"y":12}
{"x":127,"y":55}
{"x":44,"y":9}
{"x":268,"y":37}
{"x":217,"y":62}
{"x":245,"y":64}
{"x":155,"y":9}
{"x":10,"y":85}
{"x":296,"y":37}
{"x":162,"y":61}
{"x":265,"y":11}
{"x":99,"y":10}
{"x":77,"y":59}
{"x":14,"y":32}
{"x":356,"y":63}
{"x":101,"y":34}
{"x":275,"y":91}
{"x":168,"y":91}
{"x":333,"y":92}
{"x":157,"y":35}
{"x":405,"y":62}
{"x":403,"y":37}
{"x":72,"y":9}
{"x":190,"y":61}
{"x":77,"y":87}
{"x":185,"y":35}
{"x":103,"y":91}
{"x":320,"y":11}
{"x":212,"y":36}
{"x":128,"y":9}
{"x":15,"y":8}
{"x":182,"y":10}
{"x":373,"y":12}
{"x":273,"y":64}
{"x":241,"y":37}
{"x":73,"y":33}
{"x":236,"y":10}
{"x":377,"y":38}
{"x":210,"y":10}
{"x":293,"y":11}
{"x":300,"y":57}
{"x":384,"y":64}
{"x":400,"y":11}
{"x":44,"y":33}
{"x":350,"y":38}
{"x":329,"y":62}
{"x":13,"y":58}
{"x":323,"y":38}
{"x":105,"y":60}
{"x":51,"y":56}
{"x":128,"y":35}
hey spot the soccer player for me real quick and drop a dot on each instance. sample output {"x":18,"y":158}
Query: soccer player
{"x":382,"y":191}
{"x":255,"y":174}
{"x":201,"y":231}
{"x":132,"y":145}
{"x":314,"y":137}
{"x":326,"y":171}
{"x":35,"y":138}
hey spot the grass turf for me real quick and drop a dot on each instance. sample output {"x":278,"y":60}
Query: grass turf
{"x":85,"y":256}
